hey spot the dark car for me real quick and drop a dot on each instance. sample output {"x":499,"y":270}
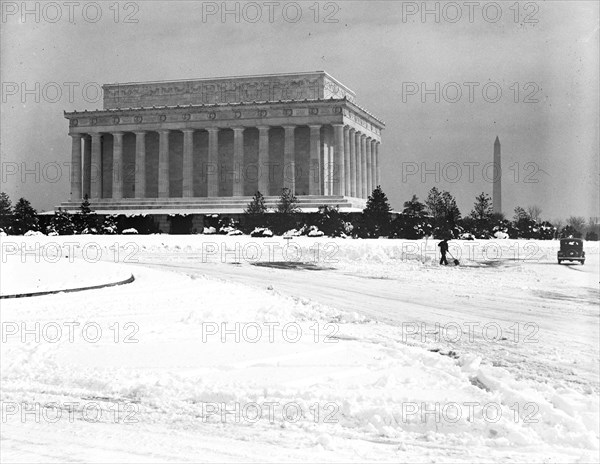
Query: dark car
{"x":571,"y":249}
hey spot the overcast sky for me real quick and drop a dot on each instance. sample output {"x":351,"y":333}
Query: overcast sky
{"x":543,"y":56}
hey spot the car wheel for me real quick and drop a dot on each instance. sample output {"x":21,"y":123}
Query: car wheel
{"x":559,"y":261}
{"x":583,"y":262}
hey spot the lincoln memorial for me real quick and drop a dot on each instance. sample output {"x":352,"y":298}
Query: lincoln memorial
{"x":208,"y":145}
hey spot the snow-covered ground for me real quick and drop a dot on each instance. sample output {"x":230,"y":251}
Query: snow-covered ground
{"x":229,"y":349}
{"x":33,"y":273}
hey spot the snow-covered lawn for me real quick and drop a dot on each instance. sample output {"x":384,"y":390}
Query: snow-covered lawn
{"x":27,"y":274}
{"x":229,"y":349}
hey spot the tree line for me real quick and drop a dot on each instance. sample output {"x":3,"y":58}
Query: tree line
{"x":437,"y":215}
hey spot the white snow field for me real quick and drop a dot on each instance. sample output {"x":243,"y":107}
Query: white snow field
{"x":238,"y":349}
{"x":53,"y":271}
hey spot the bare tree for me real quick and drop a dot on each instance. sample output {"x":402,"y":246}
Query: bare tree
{"x":594,"y":225}
{"x":534,"y":212}
{"x":577,"y":222}
{"x":558,"y":223}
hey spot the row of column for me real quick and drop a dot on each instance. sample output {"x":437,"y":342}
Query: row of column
{"x":350,"y":165}
{"x":354,"y":168}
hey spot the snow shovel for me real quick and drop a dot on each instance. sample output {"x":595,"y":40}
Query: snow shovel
{"x":456,"y":261}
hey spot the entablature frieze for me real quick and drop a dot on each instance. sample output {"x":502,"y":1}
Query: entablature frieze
{"x":329,"y":111}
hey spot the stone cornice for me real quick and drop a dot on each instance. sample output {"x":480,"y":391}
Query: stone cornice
{"x":363,"y":112}
{"x":224,"y":111}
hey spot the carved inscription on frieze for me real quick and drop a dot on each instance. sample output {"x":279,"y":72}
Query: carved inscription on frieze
{"x":218,"y":91}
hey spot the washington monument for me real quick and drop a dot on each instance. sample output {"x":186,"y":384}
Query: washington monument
{"x":497,"y":177}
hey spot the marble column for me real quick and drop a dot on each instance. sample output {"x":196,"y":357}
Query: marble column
{"x":369,"y":167}
{"x":263,"y":160}
{"x":163,"y":163}
{"x":238,"y":161}
{"x":357,"y":172}
{"x":363,"y":166}
{"x":76,"y":167}
{"x":140,"y":164}
{"x":325,"y":143}
{"x":347,"y":168}
{"x":373,"y":165}
{"x":117,"y":166}
{"x":377,"y":165}
{"x":289,"y":160}
{"x":351,"y":175}
{"x":87,"y":166}
{"x":188,"y":163}
{"x":331,"y":172}
{"x":314,"y":170}
{"x":339,"y":178}
{"x":212,"y":172}
{"x":96,"y":167}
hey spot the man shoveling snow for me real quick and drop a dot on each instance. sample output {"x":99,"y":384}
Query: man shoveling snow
{"x":443,"y":250}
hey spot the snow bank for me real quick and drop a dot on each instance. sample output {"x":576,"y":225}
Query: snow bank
{"x":25,"y":271}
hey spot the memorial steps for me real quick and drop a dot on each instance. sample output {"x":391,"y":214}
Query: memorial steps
{"x":209,"y":205}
